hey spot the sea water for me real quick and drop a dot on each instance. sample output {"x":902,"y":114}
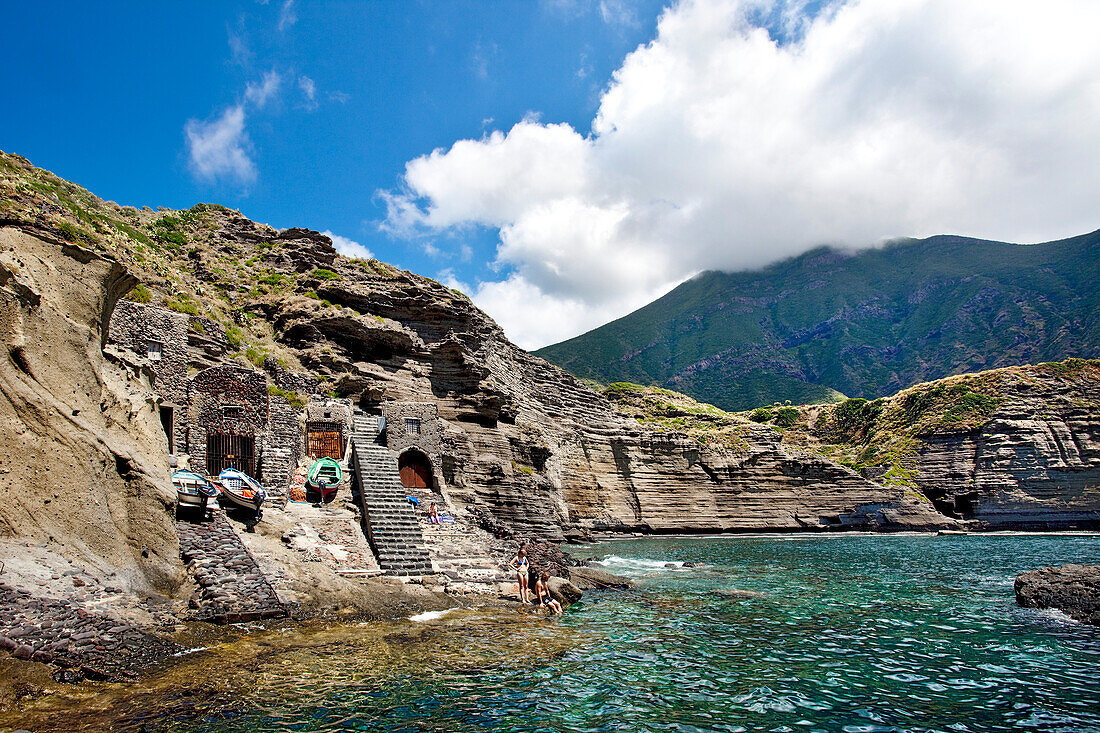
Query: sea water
{"x":848,"y":633}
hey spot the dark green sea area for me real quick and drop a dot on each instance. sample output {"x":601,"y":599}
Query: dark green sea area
{"x":850,"y":633}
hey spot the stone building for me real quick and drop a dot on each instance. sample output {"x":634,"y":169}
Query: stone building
{"x":328,"y":427}
{"x":227,"y":419}
{"x":160,"y":336}
{"x":414,"y":435}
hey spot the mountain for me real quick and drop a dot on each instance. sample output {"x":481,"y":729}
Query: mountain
{"x":831,"y":323}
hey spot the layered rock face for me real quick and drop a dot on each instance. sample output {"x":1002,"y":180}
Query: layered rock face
{"x":539,"y":450}
{"x":1035,"y":464}
{"x":82,"y":452}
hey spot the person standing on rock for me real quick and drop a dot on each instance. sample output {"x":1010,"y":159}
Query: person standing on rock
{"x":521,"y":565}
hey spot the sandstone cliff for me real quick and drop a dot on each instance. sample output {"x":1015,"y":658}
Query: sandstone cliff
{"x":82,"y":453}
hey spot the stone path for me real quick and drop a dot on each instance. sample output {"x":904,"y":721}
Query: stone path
{"x":232,"y":588}
{"x":83,"y":643}
{"x":332,"y":535}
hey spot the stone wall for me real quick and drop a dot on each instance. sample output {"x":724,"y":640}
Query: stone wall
{"x":282,"y":447}
{"x":303,"y":383}
{"x":428,"y":441}
{"x":132,"y":327}
{"x":210,"y":393}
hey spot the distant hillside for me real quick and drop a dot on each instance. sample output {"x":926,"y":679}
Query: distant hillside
{"x":864,"y":324}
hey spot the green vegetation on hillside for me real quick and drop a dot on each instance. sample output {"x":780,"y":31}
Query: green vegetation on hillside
{"x":828,"y":324}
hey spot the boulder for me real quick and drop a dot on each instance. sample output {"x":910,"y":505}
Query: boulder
{"x":738,"y":593}
{"x":595,"y":579}
{"x":563,"y":591}
{"x":1072,"y":589}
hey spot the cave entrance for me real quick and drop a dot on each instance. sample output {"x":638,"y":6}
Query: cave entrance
{"x":325,"y":440}
{"x":229,"y":450}
{"x":166,"y":423}
{"x":967,"y":504}
{"x":415,"y":469}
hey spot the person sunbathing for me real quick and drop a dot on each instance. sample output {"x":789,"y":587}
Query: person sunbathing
{"x":433,"y":514}
{"x":542,"y":592}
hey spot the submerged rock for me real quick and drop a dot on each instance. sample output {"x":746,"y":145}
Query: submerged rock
{"x":1072,"y":589}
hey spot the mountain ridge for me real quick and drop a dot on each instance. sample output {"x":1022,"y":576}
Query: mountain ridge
{"x":832,"y":323}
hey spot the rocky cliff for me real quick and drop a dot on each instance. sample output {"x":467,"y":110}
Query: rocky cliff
{"x":81,"y":450}
{"x":1008,"y":448}
{"x":524,"y":442}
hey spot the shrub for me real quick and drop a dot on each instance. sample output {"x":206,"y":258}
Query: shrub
{"x":293,"y":398}
{"x":182,"y":305}
{"x":760,"y":414}
{"x":322,"y":274}
{"x":140,"y":294}
{"x":254,"y":356}
{"x":74,"y":233}
{"x":620,"y":387}
{"x":855,"y":418}
{"x":273,"y":279}
{"x":234,"y":336}
{"x":786,"y":416}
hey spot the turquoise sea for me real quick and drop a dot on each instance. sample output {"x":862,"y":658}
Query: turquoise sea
{"x":854,"y":633}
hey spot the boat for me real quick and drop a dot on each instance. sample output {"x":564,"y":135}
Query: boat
{"x":241,"y":489}
{"x":324,"y":477}
{"x":192,"y":490}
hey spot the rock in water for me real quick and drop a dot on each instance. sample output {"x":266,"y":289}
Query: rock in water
{"x":594,"y":579}
{"x":1072,"y":589}
{"x":563,"y":591}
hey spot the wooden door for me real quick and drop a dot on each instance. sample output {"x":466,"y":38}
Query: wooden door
{"x":325,"y":440}
{"x":227,"y":450}
{"x":416,"y":472}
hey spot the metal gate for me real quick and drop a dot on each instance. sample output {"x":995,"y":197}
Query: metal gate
{"x":227,"y":450}
{"x":325,"y":440}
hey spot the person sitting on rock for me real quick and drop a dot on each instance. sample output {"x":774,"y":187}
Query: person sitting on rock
{"x":521,"y":565}
{"x":433,"y":514}
{"x":542,"y":592}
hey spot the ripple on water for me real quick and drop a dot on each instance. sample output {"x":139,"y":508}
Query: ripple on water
{"x":855,"y":634}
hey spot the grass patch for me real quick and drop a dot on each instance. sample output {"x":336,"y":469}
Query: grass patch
{"x":323,"y":274}
{"x":293,"y":398}
{"x":140,"y":294}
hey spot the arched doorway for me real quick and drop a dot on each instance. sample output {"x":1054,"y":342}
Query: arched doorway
{"x":415,"y":469}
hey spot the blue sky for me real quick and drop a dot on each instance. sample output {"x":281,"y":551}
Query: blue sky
{"x":566,"y":161}
{"x":108,"y":89}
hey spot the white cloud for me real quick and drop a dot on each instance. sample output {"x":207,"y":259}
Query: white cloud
{"x":309,"y":90}
{"x":288,"y":16}
{"x":715,"y":147}
{"x":348,"y":247}
{"x":218,"y":148}
{"x":259,"y":93}
{"x":618,"y":13}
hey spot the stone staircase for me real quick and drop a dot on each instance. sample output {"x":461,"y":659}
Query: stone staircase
{"x":391,"y":523}
{"x":466,"y":555}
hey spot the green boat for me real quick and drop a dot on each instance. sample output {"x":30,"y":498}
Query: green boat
{"x":324,"y":476}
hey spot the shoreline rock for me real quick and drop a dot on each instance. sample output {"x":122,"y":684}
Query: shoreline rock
{"x":1071,"y":589}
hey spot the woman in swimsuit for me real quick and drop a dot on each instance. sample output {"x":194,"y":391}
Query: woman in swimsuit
{"x":542,"y":592}
{"x":521,"y":566}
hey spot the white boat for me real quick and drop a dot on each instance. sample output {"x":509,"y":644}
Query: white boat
{"x":241,"y":489}
{"x":192,"y":490}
